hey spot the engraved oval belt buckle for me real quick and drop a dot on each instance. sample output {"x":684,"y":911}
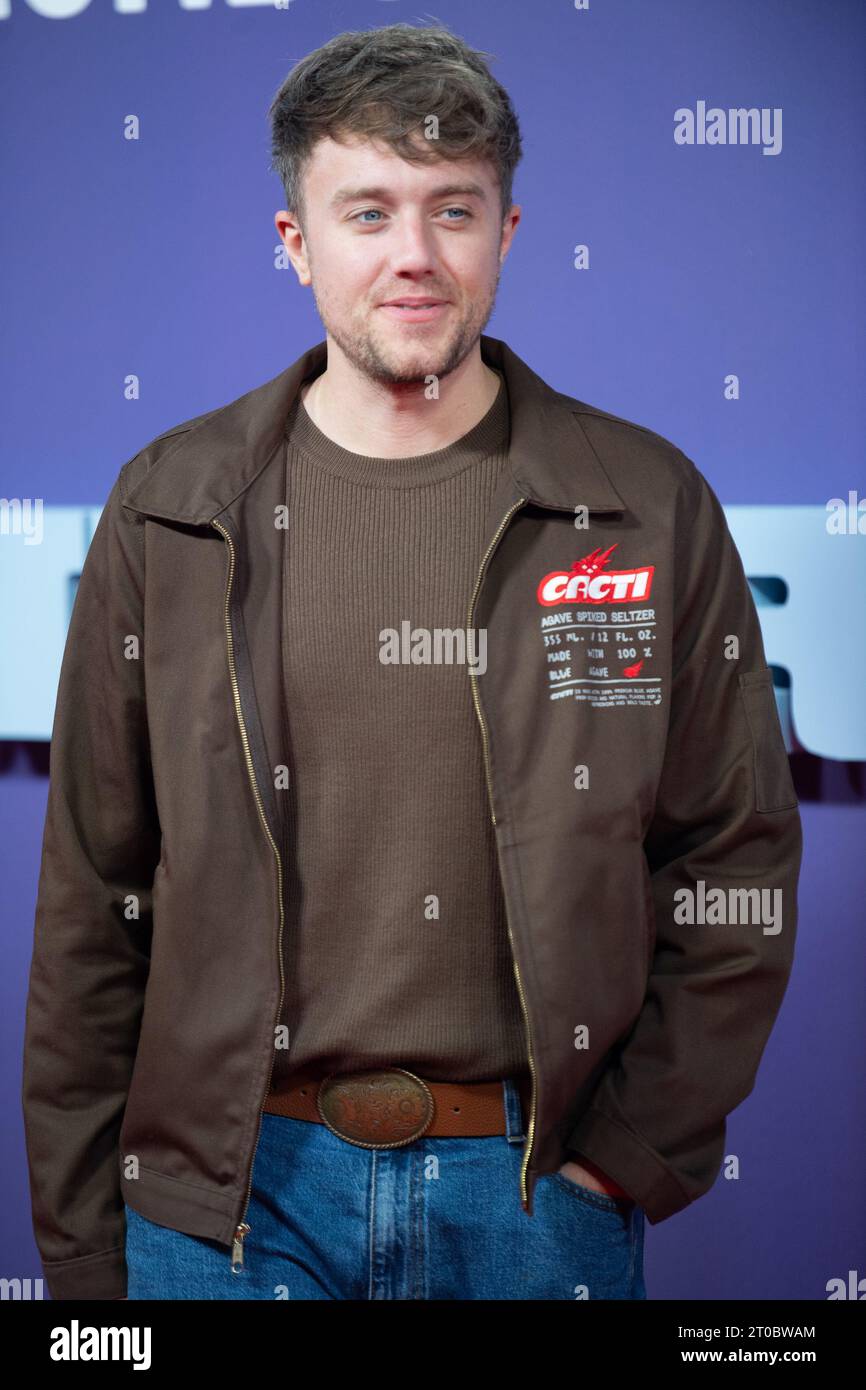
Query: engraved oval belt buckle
{"x":380,"y":1109}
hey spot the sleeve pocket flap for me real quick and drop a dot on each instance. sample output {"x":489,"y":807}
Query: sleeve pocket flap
{"x":774,"y":785}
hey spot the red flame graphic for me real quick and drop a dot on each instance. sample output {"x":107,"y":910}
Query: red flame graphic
{"x":594,"y":561}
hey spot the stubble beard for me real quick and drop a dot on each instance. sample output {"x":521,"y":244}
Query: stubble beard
{"x":378,"y":357}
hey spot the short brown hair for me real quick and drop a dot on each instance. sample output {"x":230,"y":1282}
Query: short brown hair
{"x":383,"y":83}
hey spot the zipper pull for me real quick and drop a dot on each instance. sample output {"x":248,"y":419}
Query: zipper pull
{"x":238,"y":1247}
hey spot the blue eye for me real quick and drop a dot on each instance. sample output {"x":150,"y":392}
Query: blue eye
{"x":375,"y":212}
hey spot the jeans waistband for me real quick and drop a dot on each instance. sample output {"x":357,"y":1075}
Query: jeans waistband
{"x":515,"y":1125}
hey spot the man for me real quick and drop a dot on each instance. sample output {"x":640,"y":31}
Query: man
{"x":417,"y":785}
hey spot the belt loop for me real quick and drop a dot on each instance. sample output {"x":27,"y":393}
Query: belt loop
{"x":514,"y":1130}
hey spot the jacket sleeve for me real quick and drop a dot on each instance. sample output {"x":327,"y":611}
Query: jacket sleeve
{"x":91,"y":941}
{"x":726,"y":813}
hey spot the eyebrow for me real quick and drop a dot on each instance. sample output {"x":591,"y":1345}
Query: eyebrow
{"x":382,"y":195}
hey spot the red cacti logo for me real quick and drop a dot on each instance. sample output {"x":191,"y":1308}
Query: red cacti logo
{"x":589,"y":581}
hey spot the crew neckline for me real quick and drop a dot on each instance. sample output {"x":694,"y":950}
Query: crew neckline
{"x":482,"y":440}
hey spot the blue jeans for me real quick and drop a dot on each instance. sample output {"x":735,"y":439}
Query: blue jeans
{"x":438,"y":1218}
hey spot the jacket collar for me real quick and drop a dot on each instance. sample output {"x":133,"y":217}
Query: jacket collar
{"x":551,"y":459}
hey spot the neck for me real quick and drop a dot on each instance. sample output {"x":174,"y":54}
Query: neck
{"x":381,"y":420}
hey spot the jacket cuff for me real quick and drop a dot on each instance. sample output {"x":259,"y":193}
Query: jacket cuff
{"x":101,"y":1276}
{"x":626,"y":1158}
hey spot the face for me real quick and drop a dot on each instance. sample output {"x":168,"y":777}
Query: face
{"x":380,"y":229}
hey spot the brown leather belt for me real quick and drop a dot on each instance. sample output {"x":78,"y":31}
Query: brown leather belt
{"x":388,"y":1107}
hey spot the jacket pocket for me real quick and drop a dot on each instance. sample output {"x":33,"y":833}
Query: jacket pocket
{"x":774,"y":785}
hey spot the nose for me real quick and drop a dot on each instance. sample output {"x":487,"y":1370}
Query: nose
{"x":411,"y":246}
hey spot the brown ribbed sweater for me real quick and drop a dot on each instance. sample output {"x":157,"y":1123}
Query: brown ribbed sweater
{"x":395,"y":941}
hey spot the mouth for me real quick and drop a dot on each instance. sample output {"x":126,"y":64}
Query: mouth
{"x":415,"y":310}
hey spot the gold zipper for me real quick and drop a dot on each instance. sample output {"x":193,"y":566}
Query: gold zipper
{"x":473,"y":678}
{"x":242,"y":1229}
